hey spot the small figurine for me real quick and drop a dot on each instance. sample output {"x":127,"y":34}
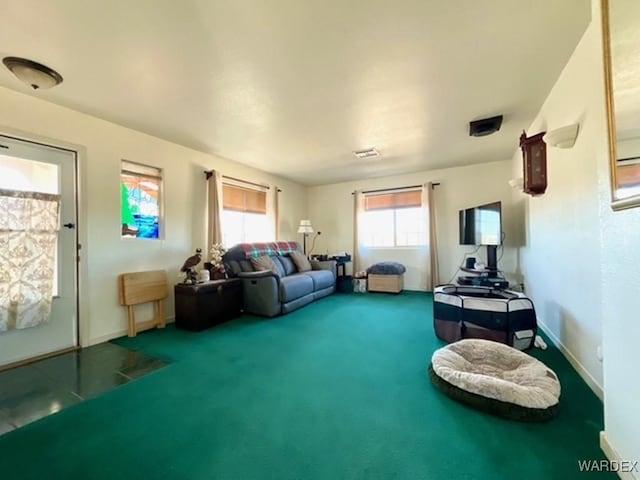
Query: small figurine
{"x":188,"y":267}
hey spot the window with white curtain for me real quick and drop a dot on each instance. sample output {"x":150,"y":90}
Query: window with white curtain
{"x":31,"y":176}
{"x":394,"y":219}
{"x":244,"y":215}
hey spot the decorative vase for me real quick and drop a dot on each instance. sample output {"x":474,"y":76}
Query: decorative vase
{"x":203,"y":276}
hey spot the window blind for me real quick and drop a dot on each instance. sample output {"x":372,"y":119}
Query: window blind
{"x":383,"y":201}
{"x":140,"y":170}
{"x":628,"y":175}
{"x":242,"y":199}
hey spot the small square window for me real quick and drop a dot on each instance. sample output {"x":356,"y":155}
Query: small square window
{"x":141,"y":188}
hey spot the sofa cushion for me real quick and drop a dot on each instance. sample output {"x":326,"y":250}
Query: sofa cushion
{"x":295,"y":286}
{"x":246,"y":266}
{"x":277,"y":259}
{"x":321,"y":279}
{"x":301,"y":261}
{"x":233,"y":267}
{"x":265,"y":262}
{"x":387,"y":268}
{"x":287,"y":263}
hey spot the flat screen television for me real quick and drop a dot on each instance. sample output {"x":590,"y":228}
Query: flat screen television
{"x":482,"y":225}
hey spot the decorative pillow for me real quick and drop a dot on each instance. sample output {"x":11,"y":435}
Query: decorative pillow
{"x":279,"y":266}
{"x":387,"y":268}
{"x":287,"y":263}
{"x":301,"y":261}
{"x":265,"y":263}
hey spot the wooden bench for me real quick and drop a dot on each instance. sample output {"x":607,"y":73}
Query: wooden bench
{"x":143,"y":287}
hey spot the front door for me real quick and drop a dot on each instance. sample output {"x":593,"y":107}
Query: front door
{"x":26,"y":166}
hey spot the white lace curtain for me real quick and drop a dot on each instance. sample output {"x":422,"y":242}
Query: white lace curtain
{"x":29,"y":223}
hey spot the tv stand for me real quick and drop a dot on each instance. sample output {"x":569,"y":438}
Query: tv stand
{"x":492,"y":258}
{"x":484,"y":281}
{"x":485,"y":277}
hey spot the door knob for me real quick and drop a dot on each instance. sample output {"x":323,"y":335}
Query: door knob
{"x":69,"y":225}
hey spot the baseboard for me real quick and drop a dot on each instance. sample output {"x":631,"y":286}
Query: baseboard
{"x":105,"y":338}
{"x":612,"y":455}
{"x":583,"y":372}
{"x":118,"y":334}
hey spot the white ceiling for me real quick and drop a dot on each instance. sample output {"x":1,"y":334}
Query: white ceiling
{"x":293,"y":87}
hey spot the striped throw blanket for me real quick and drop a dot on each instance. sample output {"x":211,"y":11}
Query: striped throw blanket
{"x":252,"y":250}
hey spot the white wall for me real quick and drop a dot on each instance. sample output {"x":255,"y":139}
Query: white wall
{"x":331,"y":212}
{"x":104,"y":254}
{"x":561,"y":261}
{"x":581,"y":259}
{"x":620,"y":237}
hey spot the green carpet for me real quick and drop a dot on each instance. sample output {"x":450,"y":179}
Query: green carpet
{"x":336,"y":390}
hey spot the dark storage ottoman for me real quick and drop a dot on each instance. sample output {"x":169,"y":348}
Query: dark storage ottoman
{"x":206,"y":304}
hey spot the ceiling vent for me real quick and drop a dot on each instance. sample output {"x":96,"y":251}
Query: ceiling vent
{"x":484,"y":127}
{"x":369,"y":152}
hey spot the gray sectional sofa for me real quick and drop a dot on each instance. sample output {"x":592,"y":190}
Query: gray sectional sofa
{"x":268,"y":293}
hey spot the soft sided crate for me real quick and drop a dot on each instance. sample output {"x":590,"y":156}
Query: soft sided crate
{"x":482,"y":312}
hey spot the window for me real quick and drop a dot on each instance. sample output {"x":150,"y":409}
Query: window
{"x":140,"y":188}
{"x":393,"y":220}
{"x":244,"y":215}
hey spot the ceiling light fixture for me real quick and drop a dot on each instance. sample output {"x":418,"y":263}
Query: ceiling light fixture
{"x":32,"y":73}
{"x":563,"y":137}
{"x":367,"y":153}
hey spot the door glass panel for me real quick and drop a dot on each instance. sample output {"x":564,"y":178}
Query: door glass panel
{"x":28,"y":175}
{"x":31,"y":176}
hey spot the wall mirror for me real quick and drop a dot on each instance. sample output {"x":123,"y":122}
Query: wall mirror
{"x":621,"y":46}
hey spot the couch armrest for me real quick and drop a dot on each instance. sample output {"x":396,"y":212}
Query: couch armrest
{"x":259,"y":274}
{"x":261,"y":292}
{"x":325,"y":265}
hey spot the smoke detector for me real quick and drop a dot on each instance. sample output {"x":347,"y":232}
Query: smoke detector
{"x":367,"y":153}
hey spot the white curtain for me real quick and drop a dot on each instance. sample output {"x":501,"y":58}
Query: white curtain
{"x":433,"y":270}
{"x":29,"y":224}
{"x":359,"y":250}
{"x":215,"y":210}
{"x":273,"y":213}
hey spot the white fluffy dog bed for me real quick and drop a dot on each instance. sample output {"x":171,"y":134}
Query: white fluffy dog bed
{"x":496,"y":378}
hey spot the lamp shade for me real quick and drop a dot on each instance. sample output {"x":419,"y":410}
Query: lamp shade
{"x":305,"y":226}
{"x":32,"y":73}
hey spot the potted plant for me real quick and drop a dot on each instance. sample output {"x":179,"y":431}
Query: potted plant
{"x":215,"y":264}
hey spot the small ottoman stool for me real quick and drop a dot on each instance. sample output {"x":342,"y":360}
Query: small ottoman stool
{"x":386,"y":277}
{"x":496,"y":379}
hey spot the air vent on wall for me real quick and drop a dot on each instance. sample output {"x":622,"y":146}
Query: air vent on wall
{"x":369,"y":152}
{"x":484,"y":127}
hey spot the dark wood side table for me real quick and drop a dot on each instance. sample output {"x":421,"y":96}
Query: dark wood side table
{"x":206,"y":304}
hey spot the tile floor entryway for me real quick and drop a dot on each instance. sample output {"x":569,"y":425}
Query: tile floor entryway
{"x":45,"y":387}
